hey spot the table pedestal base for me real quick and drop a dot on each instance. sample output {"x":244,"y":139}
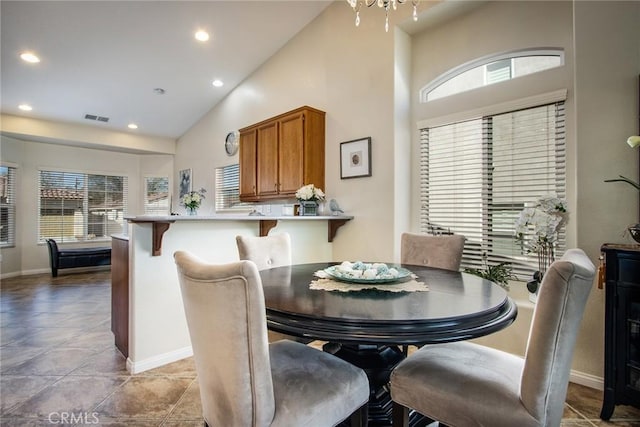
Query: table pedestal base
{"x":377,"y":362}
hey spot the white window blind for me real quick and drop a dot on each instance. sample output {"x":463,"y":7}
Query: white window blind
{"x":228,"y":188}
{"x":156,"y":195}
{"x":76,"y":206}
{"x":7,"y":206}
{"x":477,"y":175}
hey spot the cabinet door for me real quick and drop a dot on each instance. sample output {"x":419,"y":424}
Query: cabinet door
{"x":268,"y":159}
{"x":628,"y":363}
{"x":248,"y":157}
{"x":291,"y":154}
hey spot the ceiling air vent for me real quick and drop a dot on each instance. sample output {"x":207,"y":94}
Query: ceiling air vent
{"x":96,"y":118}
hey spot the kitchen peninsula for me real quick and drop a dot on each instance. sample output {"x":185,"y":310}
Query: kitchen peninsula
{"x":156,"y":329}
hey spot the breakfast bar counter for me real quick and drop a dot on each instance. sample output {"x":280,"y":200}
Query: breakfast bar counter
{"x":157,"y":332}
{"x":161,"y":224}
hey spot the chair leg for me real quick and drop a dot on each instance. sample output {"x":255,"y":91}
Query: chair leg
{"x":360,"y":417}
{"x":400,"y":415}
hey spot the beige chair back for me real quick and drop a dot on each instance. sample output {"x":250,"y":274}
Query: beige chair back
{"x":556,"y":321}
{"x":225,"y":311}
{"x":443,"y":251}
{"x":266,"y":252}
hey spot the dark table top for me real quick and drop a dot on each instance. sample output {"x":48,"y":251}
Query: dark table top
{"x":458,"y":306}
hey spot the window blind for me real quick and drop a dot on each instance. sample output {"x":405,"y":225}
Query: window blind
{"x":156,"y":195}
{"x":477,"y":175}
{"x":228,"y":188}
{"x":76,"y":206}
{"x":7,"y":206}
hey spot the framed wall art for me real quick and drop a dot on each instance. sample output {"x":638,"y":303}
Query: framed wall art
{"x":184,"y":180}
{"x":355,"y":158}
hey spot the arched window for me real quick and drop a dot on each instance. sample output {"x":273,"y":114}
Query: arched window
{"x":492,"y":69}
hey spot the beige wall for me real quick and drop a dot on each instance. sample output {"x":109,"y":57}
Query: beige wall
{"x":607,"y":62}
{"x":27,"y":256}
{"x":347,"y":72}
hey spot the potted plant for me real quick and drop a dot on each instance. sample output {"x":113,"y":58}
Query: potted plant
{"x":500,"y":273}
{"x":309,"y":196}
{"x":192,"y":201}
{"x":538,"y":228}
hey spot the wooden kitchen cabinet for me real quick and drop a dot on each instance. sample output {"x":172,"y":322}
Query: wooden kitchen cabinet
{"x":248,"y":161}
{"x":281,"y":154}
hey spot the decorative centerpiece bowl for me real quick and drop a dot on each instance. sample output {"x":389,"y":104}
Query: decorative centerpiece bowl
{"x":360,"y":272}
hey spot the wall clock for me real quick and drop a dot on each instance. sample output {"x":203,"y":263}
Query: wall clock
{"x":231,"y":142}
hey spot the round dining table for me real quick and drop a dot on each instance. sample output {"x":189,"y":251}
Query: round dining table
{"x":372,"y":328}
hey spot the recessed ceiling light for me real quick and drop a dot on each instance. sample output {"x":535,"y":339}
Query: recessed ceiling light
{"x":132,"y":126}
{"x":202,"y":35}
{"x":25,"y":107}
{"x":217,"y":83}
{"x":29,"y":57}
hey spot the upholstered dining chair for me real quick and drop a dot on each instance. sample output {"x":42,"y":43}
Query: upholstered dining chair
{"x":245,"y":381}
{"x":442,"y":251}
{"x":267,"y":251}
{"x":465,"y":384}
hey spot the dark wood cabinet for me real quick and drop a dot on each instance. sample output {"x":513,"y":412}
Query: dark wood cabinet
{"x":281,"y":154}
{"x":120,"y":292}
{"x":622,"y":327}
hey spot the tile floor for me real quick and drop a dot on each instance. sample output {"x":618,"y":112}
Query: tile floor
{"x":58,"y":365}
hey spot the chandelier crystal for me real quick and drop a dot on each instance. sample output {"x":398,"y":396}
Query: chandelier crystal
{"x":383,"y":4}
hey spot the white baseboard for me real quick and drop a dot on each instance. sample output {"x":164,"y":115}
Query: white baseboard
{"x":61,"y":271}
{"x":586,"y":380}
{"x":159,"y":360}
{"x":25,"y":273}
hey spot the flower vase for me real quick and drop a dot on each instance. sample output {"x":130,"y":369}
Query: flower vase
{"x":545,"y":259}
{"x":533,"y":286}
{"x":308,"y":207}
{"x":192,"y":211}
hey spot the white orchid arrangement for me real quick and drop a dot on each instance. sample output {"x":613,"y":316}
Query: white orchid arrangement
{"x":546,"y":218}
{"x":193,"y":199}
{"x":309,"y":192}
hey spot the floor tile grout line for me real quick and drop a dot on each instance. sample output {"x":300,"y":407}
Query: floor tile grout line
{"x":115,"y":390}
{"x":585,"y":418}
{"x":178,"y":402}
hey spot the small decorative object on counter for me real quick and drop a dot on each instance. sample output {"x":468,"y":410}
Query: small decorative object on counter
{"x":537,"y":227}
{"x":309,"y":196}
{"x":192,"y":201}
{"x":335,"y":207}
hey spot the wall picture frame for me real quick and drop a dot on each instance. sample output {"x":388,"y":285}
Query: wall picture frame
{"x":355,"y":158}
{"x":184,"y":182}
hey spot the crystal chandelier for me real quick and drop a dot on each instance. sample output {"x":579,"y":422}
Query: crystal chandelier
{"x":383,"y":4}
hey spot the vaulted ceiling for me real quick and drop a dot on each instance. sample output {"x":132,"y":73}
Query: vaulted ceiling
{"x":111,"y":58}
